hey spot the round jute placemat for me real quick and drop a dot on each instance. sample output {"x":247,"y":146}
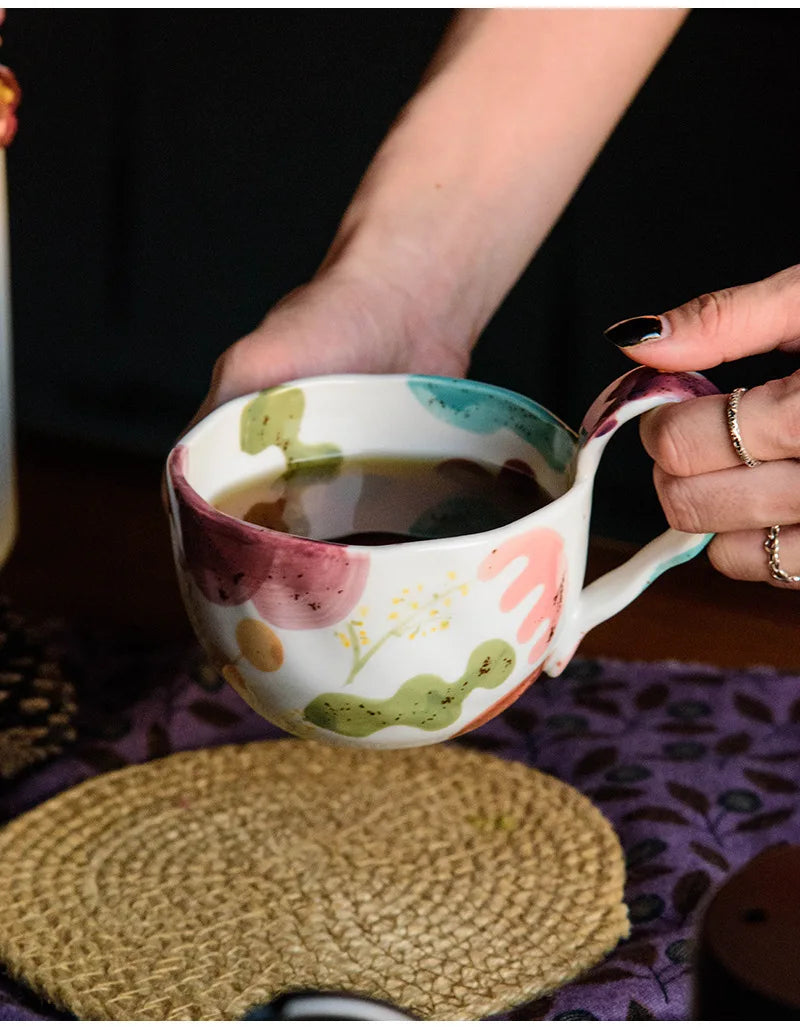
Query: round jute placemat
{"x":443,"y":880}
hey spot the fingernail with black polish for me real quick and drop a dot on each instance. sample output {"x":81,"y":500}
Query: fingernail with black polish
{"x":632,"y":331}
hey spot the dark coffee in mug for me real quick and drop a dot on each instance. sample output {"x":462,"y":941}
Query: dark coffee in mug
{"x":382,"y":500}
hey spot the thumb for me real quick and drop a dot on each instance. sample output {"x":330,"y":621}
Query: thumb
{"x":717,"y":327}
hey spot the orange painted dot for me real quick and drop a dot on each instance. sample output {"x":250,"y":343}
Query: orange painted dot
{"x":259,"y":644}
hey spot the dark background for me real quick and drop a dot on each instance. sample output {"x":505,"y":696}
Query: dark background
{"x":176,"y":172}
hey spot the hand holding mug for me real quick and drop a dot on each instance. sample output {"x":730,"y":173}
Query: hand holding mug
{"x":343,"y":320}
{"x":704,"y":483}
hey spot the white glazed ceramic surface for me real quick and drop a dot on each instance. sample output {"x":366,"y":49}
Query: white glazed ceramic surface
{"x":410,"y":643}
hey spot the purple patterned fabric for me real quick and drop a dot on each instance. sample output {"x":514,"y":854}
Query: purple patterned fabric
{"x":697,"y":769}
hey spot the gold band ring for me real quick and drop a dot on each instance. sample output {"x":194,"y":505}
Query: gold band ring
{"x":732,"y":416}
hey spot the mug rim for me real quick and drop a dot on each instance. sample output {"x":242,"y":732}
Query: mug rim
{"x":539,"y":410}
{"x":240,"y":525}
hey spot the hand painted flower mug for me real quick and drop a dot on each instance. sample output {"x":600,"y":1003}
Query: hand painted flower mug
{"x":410,"y":642}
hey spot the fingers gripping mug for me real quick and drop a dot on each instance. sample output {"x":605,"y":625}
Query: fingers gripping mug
{"x":417,"y":641}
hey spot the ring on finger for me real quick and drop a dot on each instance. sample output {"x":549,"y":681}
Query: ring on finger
{"x":773,"y":548}
{"x":732,"y":416}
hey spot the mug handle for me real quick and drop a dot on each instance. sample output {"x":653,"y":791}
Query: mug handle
{"x":639,"y":390}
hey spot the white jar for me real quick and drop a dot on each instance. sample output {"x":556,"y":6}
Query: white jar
{"x":8,"y":490}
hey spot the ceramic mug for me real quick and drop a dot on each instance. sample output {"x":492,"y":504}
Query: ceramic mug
{"x":409,"y":643}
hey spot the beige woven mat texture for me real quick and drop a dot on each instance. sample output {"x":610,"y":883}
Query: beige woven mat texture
{"x":440,"y":879}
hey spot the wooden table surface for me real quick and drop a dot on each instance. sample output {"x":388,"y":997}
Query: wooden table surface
{"x":93,"y":548}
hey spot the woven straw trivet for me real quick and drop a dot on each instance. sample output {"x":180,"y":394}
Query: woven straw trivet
{"x":446,"y":881}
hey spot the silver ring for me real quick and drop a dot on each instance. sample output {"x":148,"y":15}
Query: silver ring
{"x":773,"y":548}
{"x":732,"y":415}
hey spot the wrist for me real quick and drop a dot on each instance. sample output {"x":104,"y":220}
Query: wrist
{"x":393,"y":257}
{"x":413,"y":319}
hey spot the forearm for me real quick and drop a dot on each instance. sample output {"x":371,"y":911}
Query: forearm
{"x":483,"y":159}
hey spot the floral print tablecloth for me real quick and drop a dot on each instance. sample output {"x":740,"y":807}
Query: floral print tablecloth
{"x":697,"y":769}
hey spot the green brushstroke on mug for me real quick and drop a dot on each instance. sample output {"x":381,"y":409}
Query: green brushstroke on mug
{"x":426,"y":702}
{"x":274,"y":418}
